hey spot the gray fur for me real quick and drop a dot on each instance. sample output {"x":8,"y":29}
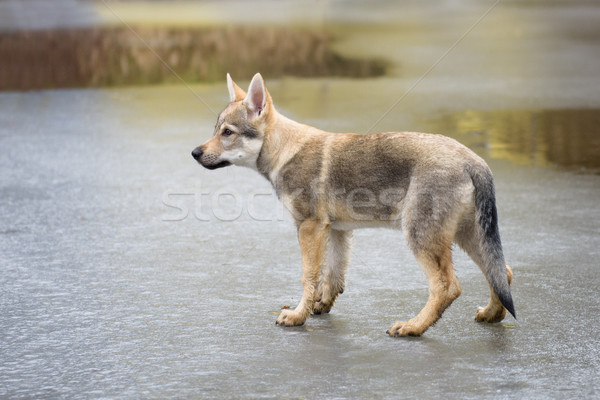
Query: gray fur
{"x":298,"y":177}
{"x":378,"y":170}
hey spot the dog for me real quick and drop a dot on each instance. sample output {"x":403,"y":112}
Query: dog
{"x":434,"y":189}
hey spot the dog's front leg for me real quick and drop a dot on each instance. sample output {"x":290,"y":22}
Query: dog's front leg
{"x":312,"y":235}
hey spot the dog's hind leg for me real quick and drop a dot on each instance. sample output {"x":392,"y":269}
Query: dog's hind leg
{"x":444,"y":288}
{"x":333,"y":276}
{"x":429,"y":222}
{"x":313,"y":236}
{"x":466,"y":238}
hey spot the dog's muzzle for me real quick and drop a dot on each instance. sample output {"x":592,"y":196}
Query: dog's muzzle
{"x":210,"y":161}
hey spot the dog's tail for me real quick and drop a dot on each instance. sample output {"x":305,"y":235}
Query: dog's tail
{"x":486,"y":216}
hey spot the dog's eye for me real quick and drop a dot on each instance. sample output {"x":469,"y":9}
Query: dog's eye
{"x":227,"y":132}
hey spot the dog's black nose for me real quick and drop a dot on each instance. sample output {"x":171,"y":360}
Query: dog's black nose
{"x":197,"y":153}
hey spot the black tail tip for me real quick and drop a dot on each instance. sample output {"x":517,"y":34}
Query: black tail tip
{"x":507,"y":302}
{"x":512,"y":312}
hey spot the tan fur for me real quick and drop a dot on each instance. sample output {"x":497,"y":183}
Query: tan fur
{"x":433,"y":188}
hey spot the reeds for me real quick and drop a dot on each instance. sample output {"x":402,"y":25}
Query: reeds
{"x":116,"y":56}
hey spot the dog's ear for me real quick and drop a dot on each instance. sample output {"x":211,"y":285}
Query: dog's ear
{"x":235,"y":92}
{"x":258,"y":98}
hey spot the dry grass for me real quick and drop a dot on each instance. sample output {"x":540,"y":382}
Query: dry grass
{"x":116,"y":57}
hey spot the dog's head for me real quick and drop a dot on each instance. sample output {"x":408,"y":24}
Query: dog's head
{"x":240,"y":130}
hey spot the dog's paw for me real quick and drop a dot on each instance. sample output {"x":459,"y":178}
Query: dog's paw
{"x":490,"y":314}
{"x":290,"y":318}
{"x":322,"y":308}
{"x":401,"y":329}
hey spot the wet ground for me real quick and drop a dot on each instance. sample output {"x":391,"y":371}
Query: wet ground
{"x":129,"y":271}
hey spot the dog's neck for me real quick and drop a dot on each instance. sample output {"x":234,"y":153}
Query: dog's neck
{"x":283,"y":139}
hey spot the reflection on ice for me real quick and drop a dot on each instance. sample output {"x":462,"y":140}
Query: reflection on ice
{"x":568,"y":138}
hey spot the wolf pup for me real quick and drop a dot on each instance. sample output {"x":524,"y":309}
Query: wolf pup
{"x":437,"y":191}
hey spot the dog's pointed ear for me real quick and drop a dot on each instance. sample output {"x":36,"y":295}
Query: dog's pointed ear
{"x":235,"y":92}
{"x":257,"y":98}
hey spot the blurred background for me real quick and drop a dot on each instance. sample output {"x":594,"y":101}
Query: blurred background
{"x":128,"y":271}
{"x":528,"y":58}
{"x":66,"y":43}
